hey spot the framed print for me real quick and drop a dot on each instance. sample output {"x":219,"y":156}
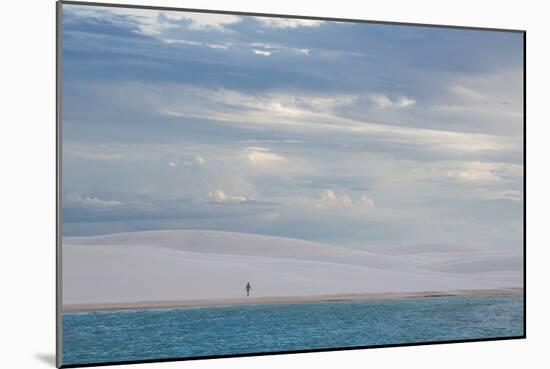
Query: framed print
{"x":235,"y":184}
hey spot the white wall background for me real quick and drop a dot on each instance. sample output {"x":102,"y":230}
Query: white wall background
{"x":27,"y":186}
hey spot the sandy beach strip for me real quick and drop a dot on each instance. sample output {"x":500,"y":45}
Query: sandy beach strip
{"x":286,"y":299}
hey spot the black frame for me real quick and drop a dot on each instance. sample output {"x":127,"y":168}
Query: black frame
{"x":59,"y":232}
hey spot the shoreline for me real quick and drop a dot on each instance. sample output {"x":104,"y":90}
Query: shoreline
{"x":285,"y":299}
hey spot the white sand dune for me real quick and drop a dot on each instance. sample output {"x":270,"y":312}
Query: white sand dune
{"x":480,"y":262}
{"x":191,"y":265}
{"x":428,"y":249}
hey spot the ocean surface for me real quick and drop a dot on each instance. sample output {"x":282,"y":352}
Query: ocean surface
{"x":125,"y":335}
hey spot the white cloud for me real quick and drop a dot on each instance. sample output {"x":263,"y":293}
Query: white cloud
{"x":186,"y":161}
{"x":477,"y":171}
{"x":182,"y":41}
{"x":473,"y":174}
{"x":302,"y":51}
{"x":263,"y":49}
{"x":276,"y":141}
{"x":404,"y":102}
{"x":202,"y":21}
{"x":328,"y":195}
{"x":383,"y":101}
{"x":267,"y":49}
{"x":287,"y":22}
{"x":223,"y":46}
{"x":154,"y":23}
{"x":262,"y":156}
{"x":511,"y":195}
{"x":496,"y":193}
{"x":260,"y":107}
{"x":220,"y":46}
{"x":493,"y":100}
{"x":466,"y":92}
{"x":345,"y":199}
{"x":74,"y":198}
{"x":220,"y":196}
{"x":199,"y":159}
{"x":301,"y":112}
{"x":367,"y":201}
{"x":331,"y":196}
{"x":468,"y":172}
{"x":262,"y":52}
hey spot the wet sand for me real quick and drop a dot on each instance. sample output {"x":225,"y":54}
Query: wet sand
{"x":286,"y":299}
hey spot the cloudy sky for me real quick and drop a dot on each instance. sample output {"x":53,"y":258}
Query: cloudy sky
{"x":345,"y":133}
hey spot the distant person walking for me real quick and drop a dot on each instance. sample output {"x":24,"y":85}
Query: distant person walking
{"x":248,"y":288}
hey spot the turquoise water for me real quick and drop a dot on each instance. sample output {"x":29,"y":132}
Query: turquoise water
{"x":126,"y":335}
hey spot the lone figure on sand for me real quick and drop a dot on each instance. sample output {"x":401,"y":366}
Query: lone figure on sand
{"x":248,"y":288}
